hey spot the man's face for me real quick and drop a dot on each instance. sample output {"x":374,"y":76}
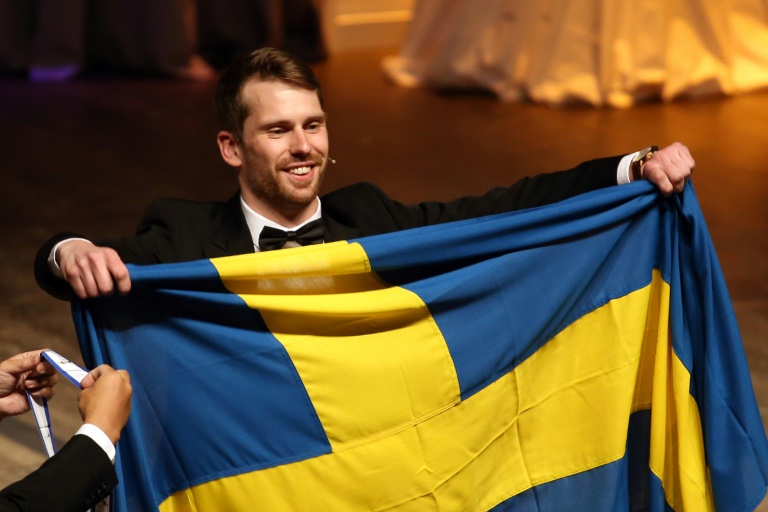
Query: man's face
{"x":283,"y":151}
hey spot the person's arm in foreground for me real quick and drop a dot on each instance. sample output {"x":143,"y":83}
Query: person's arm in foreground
{"x":82,"y":473}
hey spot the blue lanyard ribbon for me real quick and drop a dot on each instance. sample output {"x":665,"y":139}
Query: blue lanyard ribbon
{"x":39,"y":406}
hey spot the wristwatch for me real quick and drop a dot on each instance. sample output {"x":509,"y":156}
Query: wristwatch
{"x":639,"y":160}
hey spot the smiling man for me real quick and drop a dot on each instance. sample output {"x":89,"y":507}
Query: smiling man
{"x":274,"y":134}
{"x":280,"y":149}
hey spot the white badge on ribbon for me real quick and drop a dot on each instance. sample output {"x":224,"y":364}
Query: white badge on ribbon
{"x":39,"y":408}
{"x":72,"y":371}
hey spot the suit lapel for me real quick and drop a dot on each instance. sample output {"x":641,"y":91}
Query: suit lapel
{"x":230,"y":234}
{"x":335,"y":230}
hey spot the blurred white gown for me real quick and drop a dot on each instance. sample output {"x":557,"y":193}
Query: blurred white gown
{"x":602,"y":52}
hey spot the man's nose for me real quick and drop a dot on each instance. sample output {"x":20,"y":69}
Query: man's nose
{"x":299,"y":143}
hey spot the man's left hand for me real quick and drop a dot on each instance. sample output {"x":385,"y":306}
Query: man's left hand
{"x":24,"y":372}
{"x":669,"y":168}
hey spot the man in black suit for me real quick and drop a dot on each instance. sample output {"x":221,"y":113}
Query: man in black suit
{"x":82,"y":473}
{"x":274,"y":134}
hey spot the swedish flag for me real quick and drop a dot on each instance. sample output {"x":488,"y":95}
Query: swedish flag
{"x":582,"y":356}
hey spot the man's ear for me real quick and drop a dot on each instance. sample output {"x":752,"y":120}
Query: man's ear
{"x":229,"y":148}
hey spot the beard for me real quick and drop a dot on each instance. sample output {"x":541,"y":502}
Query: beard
{"x":281,"y":194}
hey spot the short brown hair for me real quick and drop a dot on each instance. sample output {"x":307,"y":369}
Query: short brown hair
{"x":267,"y":64}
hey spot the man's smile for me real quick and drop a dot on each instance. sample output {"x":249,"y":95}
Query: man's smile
{"x":300,"y":171}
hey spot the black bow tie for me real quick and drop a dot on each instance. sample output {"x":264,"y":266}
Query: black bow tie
{"x":310,"y":233}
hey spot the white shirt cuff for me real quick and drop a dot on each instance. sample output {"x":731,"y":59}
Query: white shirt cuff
{"x":52,"y":263}
{"x":100,"y":438}
{"x":625,"y":165}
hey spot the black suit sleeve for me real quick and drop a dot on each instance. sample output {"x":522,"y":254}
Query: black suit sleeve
{"x":364,"y":210}
{"x":171,"y":230}
{"x":162,"y":224}
{"x":75,"y":479}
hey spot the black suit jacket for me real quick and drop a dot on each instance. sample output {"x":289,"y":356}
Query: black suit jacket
{"x":75,"y":479}
{"x":174,"y":230}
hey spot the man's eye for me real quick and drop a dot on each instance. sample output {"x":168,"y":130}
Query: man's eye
{"x":276,"y":131}
{"x":314,"y":127}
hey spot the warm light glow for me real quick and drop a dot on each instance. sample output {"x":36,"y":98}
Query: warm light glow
{"x":368,"y":18}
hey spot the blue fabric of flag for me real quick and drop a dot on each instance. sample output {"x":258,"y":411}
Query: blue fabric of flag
{"x":499,"y":288}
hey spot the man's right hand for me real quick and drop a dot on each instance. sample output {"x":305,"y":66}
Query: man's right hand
{"x":92,"y":271}
{"x":106,"y":400}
